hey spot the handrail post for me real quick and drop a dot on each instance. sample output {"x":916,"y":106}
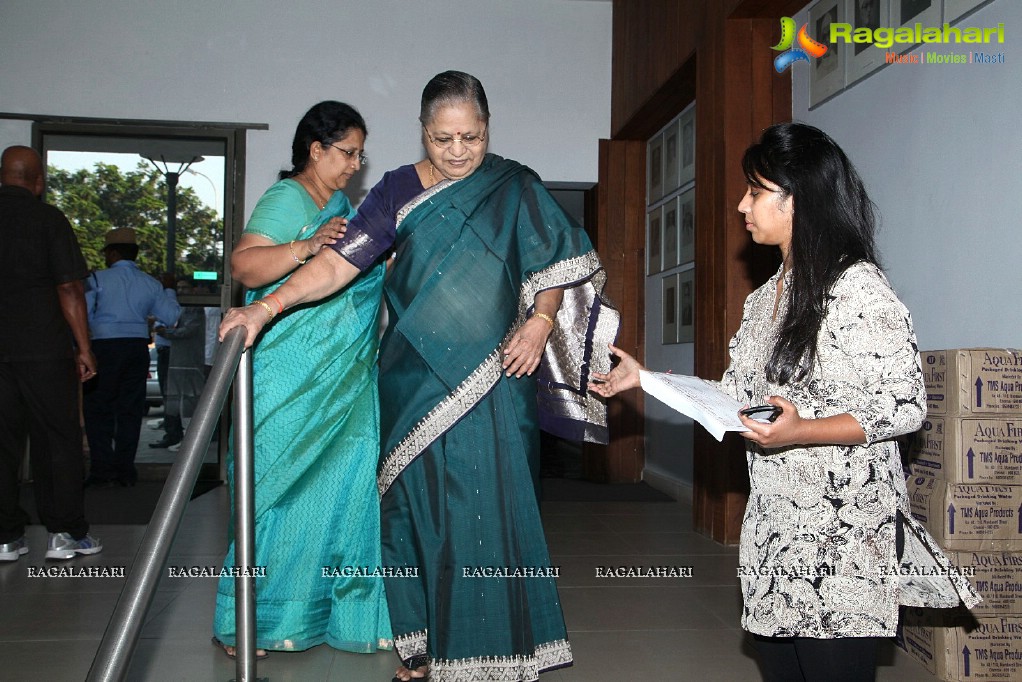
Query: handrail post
{"x":125,"y":626}
{"x":244,"y":523}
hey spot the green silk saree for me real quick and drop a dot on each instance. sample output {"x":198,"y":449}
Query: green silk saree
{"x":460,"y":441}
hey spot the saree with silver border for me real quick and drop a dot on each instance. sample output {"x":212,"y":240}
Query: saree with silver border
{"x":460,"y":440}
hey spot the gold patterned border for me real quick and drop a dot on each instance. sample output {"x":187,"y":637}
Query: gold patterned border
{"x":441,"y":418}
{"x":414,"y":203}
{"x":411,"y":645}
{"x":503,"y":668}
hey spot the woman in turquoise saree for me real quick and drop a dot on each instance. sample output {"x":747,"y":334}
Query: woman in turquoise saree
{"x":489,"y":277}
{"x":316,"y":414}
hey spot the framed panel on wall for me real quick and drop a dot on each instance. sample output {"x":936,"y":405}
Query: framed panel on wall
{"x":672,"y":160}
{"x":687,"y":131}
{"x":864,"y":58}
{"x":669,"y":316}
{"x":671,"y":234}
{"x":687,"y":211}
{"x":910,"y":12}
{"x":655,"y":169}
{"x":827,"y":73}
{"x":654,"y":242}
{"x":956,"y":9}
{"x":686,"y":306}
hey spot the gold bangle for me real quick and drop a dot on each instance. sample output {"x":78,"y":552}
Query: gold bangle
{"x":266,"y":306}
{"x":291,"y":248}
{"x":546,"y":317}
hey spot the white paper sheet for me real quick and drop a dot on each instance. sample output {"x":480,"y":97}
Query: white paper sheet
{"x":698,"y":399}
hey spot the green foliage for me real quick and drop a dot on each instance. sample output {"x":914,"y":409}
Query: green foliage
{"x":106,"y":198}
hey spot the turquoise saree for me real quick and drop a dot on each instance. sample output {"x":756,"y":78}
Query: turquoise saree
{"x":316,"y":445}
{"x":460,"y":440}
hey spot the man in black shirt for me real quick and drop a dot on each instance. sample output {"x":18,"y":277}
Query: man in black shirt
{"x":41,"y":272}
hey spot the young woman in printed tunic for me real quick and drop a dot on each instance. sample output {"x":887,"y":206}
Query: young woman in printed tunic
{"x":829,"y":548}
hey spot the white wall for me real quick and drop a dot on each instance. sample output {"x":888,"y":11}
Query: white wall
{"x":940,"y":150}
{"x":545,"y":65}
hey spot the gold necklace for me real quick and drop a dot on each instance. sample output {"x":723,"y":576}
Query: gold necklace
{"x":431,"y":180}
{"x":312,"y":191}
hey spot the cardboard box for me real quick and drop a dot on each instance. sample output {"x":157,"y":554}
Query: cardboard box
{"x":997,"y":576}
{"x":918,"y":642}
{"x":973,"y":450}
{"x":990,"y":649}
{"x":973,"y":381}
{"x":979,"y":518}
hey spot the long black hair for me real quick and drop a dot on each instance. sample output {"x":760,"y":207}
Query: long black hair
{"x":326,"y":122}
{"x":832,"y":228}
{"x":450,"y":88}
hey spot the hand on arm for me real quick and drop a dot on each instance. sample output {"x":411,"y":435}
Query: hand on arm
{"x":621,"y":378}
{"x":257,"y":261}
{"x":326,"y":235}
{"x":790,"y":428}
{"x":525,"y":350}
{"x":71,"y":296}
{"x":320,"y":278}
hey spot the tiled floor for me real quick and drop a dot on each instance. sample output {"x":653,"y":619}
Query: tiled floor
{"x":621,"y":629}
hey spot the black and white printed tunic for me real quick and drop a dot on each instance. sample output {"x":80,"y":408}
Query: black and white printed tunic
{"x":817,"y":551}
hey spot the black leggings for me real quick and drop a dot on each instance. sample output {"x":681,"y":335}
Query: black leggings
{"x":804,"y":659}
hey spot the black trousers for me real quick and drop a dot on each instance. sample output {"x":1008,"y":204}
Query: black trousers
{"x":162,"y":367}
{"x":804,"y":659}
{"x":41,"y":399}
{"x":114,"y":406}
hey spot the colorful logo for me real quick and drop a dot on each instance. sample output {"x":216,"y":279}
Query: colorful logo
{"x":807,"y":46}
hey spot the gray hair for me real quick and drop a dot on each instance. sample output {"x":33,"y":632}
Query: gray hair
{"x":451,"y":88}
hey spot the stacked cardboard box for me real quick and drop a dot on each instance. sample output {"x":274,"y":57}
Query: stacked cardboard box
{"x":966,"y":488}
{"x":990,"y":649}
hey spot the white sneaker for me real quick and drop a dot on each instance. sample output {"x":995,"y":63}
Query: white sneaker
{"x":63,"y":546}
{"x":155,"y":424}
{"x":12,"y":551}
{"x":175,"y":447}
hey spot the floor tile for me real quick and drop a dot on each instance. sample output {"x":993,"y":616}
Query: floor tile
{"x":621,"y":628}
{"x":657,"y":607}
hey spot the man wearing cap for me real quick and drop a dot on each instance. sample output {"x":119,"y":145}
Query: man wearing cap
{"x":44,"y":317}
{"x":121,"y":299}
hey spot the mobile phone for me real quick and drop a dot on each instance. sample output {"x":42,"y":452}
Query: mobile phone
{"x":762,"y":413}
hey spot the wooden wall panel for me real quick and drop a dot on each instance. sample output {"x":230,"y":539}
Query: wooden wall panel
{"x":621,"y":236}
{"x":653,"y":38}
{"x":665,"y":53}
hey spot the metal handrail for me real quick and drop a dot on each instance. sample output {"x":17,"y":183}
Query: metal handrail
{"x":125,"y":626}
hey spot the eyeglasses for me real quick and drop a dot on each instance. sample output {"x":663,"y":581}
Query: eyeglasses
{"x":362,"y":158}
{"x":446,"y":141}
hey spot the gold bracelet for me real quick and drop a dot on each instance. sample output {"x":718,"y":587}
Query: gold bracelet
{"x":266,"y":306}
{"x":291,"y":247}
{"x":546,"y":317}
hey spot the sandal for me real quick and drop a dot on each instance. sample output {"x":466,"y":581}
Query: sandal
{"x":231,"y":652}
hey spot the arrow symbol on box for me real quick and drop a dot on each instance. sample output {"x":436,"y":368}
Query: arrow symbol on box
{"x":965,"y":657}
{"x":971,"y":455}
{"x":979,"y":392}
{"x":951,"y":518}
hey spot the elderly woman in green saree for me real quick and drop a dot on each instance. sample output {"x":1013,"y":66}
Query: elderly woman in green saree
{"x":495,"y":308}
